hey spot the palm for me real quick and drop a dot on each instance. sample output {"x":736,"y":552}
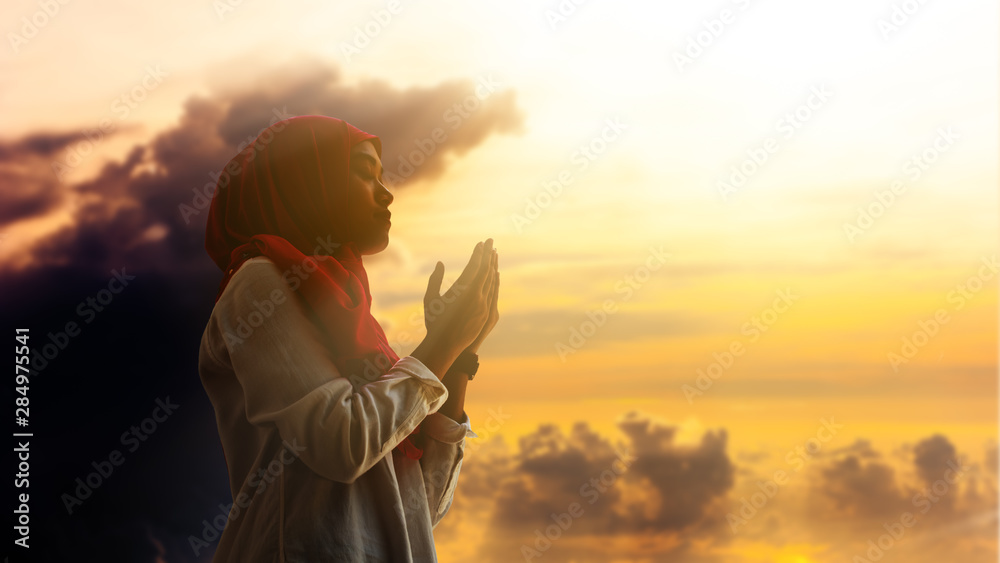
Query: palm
{"x":434,"y":302}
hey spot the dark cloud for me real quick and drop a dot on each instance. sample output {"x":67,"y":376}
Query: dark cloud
{"x":154,"y":181}
{"x":688,"y":479}
{"x":861,"y":448}
{"x":931,"y":457}
{"x":464,"y":112}
{"x":859,"y":484}
{"x":648,"y":485}
{"x":26,"y":195}
{"x":38,"y":144}
{"x":33,"y":170}
{"x":856,"y":495}
{"x":30,"y":186}
{"x":862,"y":488}
{"x":630,"y":522}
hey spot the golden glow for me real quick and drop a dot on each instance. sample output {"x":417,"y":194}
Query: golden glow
{"x":654,"y":182}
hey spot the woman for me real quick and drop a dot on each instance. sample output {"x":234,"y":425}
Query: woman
{"x":337,"y":449}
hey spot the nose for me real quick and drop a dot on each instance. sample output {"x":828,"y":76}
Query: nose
{"x":384,"y":196}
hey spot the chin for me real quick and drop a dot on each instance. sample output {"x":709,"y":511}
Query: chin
{"x":376,"y":246}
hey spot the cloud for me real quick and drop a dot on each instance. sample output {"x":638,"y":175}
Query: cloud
{"x":38,"y":144}
{"x":863,"y":489}
{"x":648,"y":485}
{"x":931,"y":457}
{"x":861,"y":448}
{"x":464,"y":113}
{"x":688,"y":479}
{"x":131,"y":212}
{"x":31,"y":188}
{"x":26,"y":195}
{"x":666,"y":500}
{"x":861,"y":486}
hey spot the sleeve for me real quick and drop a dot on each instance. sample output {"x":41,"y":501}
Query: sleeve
{"x":289,"y":380}
{"x":442,"y":460}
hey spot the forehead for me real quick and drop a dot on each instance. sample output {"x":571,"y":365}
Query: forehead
{"x":365,"y":147}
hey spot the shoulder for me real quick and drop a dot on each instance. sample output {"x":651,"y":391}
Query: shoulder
{"x":257,"y":278}
{"x":254,"y":269}
{"x":254,"y":265}
{"x":257,"y":281}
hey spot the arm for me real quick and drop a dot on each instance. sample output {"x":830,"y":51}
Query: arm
{"x":441,"y":463}
{"x":449,"y":426}
{"x":445,"y":448}
{"x":289,"y":380}
{"x":454,"y":406}
{"x":456,"y":382}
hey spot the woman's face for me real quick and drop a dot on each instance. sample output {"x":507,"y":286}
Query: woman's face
{"x":368,"y":199}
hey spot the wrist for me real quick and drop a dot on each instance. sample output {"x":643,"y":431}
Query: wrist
{"x":454,"y":406}
{"x":436,"y":356}
{"x":465,"y":366}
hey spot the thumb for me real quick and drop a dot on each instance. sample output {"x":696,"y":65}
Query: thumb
{"x":434,"y":283}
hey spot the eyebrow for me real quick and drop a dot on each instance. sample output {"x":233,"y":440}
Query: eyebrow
{"x":370,"y":159}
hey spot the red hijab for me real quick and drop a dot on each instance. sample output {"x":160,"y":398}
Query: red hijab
{"x":285,"y":196}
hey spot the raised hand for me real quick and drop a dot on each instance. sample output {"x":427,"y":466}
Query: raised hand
{"x":457,"y":318}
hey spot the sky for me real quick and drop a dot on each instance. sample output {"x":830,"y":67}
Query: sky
{"x":748,"y":249}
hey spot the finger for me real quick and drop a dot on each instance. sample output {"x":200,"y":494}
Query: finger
{"x":470,"y":268}
{"x":495,"y":297}
{"x":491,"y":270}
{"x":488,"y":291}
{"x":484,"y":265}
{"x":434,"y":282}
{"x":496,"y":294}
{"x":487,"y":254}
{"x":467,"y":272}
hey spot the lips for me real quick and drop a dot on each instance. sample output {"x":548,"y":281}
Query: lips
{"x":385,"y":215}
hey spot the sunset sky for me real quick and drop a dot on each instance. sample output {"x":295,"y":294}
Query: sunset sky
{"x":736,"y":238}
